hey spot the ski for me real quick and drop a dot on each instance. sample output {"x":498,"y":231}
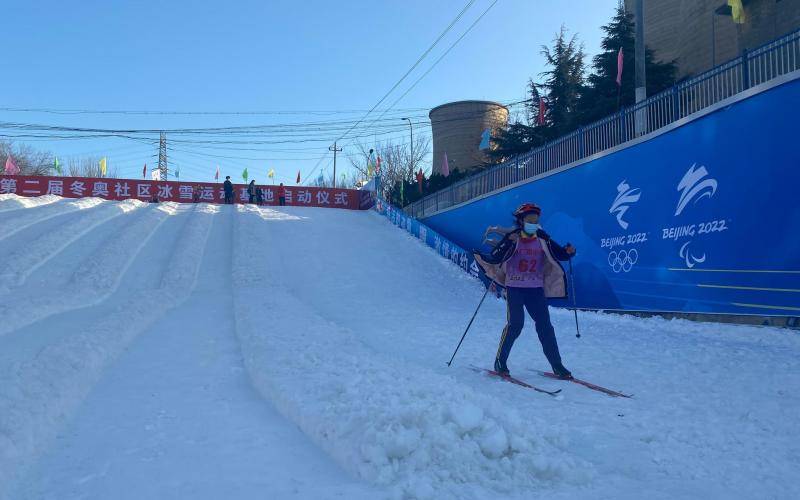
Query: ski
{"x":513,"y":380}
{"x":584,"y":383}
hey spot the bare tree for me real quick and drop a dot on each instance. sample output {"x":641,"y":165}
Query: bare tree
{"x":361,"y":158}
{"x":397,"y":163}
{"x":34,"y":162}
{"x":88,"y":167}
{"x":29,"y":160}
{"x":345,"y":180}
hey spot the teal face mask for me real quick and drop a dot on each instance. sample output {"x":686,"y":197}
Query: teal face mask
{"x":531,"y":228}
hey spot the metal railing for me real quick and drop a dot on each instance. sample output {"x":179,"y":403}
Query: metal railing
{"x":752,"y":68}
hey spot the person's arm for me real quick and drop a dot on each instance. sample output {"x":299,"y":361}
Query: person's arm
{"x":559,"y":253}
{"x":502,"y":231}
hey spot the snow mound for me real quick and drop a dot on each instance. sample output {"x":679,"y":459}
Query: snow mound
{"x":388,"y":423}
{"x":41,"y":393}
{"x":10,"y":201}
{"x":25,"y":259}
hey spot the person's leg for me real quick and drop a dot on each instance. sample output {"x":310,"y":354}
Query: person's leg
{"x":536,"y":304}
{"x":515,"y":319}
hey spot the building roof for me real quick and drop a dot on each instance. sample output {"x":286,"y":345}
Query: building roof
{"x":471,"y":101}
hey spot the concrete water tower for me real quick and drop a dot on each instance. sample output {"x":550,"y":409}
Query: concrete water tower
{"x":458,"y":129}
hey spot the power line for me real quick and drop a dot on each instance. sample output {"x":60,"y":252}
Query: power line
{"x":313,"y":170}
{"x":416,"y":63}
{"x":186,"y":113}
{"x":440,"y":58}
{"x":204,"y":135}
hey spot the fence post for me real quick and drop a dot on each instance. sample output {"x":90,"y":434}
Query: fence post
{"x":745,"y":71}
{"x":581,"y":150}
{"x":623,"y":130}
{"x":676,"y":103}
{"x":546,"y":151}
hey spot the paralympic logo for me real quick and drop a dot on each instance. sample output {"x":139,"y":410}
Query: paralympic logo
{"x":623,"y":260}
{"x":690,"y":258}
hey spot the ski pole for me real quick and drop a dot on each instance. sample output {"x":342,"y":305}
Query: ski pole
{"x":469,"y":325}
{"x":574,"y":299}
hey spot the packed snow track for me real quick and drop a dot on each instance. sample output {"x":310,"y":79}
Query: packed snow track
{"x":202,"y":351}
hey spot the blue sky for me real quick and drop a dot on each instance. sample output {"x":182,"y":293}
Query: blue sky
{"x":297,"y":58}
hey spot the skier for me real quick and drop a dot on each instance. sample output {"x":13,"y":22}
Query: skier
{"x":251,"y":191}
{"x":228,"y":186}
{"x":259,"y":196}
{"x":524,"y":261}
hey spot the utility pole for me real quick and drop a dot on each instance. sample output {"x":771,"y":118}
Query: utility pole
{"x":412,"y":144}
{"x":641,"y":76}
{"x":335,"y":150}
{"x":162,"y":156}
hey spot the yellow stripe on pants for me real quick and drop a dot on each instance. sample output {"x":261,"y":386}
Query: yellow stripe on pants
{"x":505,"y":330}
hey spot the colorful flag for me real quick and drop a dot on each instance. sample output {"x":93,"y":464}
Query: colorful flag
{"x":445,"y":166}
{"x":737,"y":11}
{"x":244,"y":174}
{"x":11,"y":167}
{"x":620,"y":59}
{"x":57,"y":166}
{"x":103,"y":167}
{"x":420,"y":178}
{"x":144,"y":171}
{"x":177,"y":172}
{"x":378,"y":165}
{"x":542,"y":111}
{"x":271,"y":173}
{"x":216,"y":175}
{"x":298,"y":177}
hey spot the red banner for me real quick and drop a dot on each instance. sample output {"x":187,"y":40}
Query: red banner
{"x":183,"y":192}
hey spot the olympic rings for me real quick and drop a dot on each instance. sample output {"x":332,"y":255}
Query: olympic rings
{"x":623,"y":260}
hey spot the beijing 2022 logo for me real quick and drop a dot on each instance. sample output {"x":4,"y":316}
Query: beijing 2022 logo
{"x":695,"y":185}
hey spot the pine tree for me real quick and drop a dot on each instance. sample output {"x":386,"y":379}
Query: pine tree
{"x":561,"y":91}
{"x":516,"y":139}
{"x":601,"y":96}
{"x":563,"y":83}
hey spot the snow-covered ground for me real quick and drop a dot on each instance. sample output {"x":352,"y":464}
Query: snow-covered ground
{"x":199,"y":351}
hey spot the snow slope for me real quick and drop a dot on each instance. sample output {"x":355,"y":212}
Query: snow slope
{"x":198,"y":351}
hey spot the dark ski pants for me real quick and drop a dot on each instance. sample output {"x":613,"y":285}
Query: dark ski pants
{"x":228,"y":198}
{"x":534,"y":301}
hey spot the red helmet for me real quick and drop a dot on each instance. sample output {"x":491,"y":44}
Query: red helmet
{"x":527,"y":208}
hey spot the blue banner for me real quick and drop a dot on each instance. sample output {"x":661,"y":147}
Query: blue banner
{"x":443,"y":246}
{"x":703,"y":218}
